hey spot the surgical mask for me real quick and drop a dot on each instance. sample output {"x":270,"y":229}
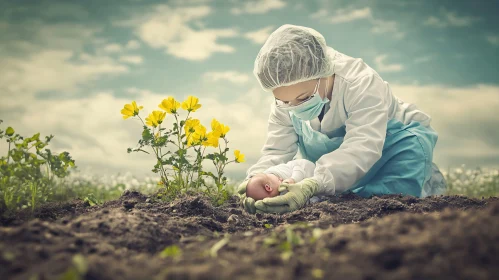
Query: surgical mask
{"x":311,"y":108}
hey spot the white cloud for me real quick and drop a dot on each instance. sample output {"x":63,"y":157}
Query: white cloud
{"x":351,"y":15}
{"x":493,"y":39}
{"x":40,"y":35}
{"x":259,"y":36}
{"x":448,"y":18}
{"x":169,"y":29}
{"x":53,"y":59}
{"x":52,"y":70}
{"x":384,"y":26}
{"x":382,"y":67}
{"x":231,"y":76}
{"x":112,"y":48}
{"x":464,"y":118}
{"x":132,"y":45}
{"x":379,"y":26}
{"x":320,"y":14}
{"x":422,"y":59}
{"x":132,"y":59}
{"x":258,"y":6}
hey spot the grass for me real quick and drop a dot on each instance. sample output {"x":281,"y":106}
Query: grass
{"x":479,"y":182}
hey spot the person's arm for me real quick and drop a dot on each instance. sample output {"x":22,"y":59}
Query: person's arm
{"x":366,"y":103}
{"x":302,"y":169}
{"x":281,"y":144}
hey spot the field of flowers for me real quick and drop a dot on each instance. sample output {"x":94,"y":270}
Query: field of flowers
{"x":476,"y":182}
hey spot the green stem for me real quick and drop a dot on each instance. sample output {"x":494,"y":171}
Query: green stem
{"x":179,"y":144}
{"x":8,"y":154}
{"x":163,"y":172}
{"x":33,"y":194}
{"x":199,"y":167}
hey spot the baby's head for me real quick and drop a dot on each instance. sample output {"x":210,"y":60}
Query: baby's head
{"x":263,"y":185}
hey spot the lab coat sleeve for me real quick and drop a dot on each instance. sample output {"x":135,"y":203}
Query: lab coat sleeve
{"x":302,"y":169}
{"x":366,"y":103}
{"x":281,"y":144}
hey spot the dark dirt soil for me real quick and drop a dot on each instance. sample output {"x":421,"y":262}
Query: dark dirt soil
{"x":345,"y":237}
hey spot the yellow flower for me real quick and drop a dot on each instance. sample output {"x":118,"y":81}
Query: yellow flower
{"x":190,"y":124}
{"x":239,"y":156}
{"x":212,"y":140}
{"x":130,"y":110}
{"x":191,"y":104}
{"x":155,"y":118}
{"x":219,"y":127}
{"x":170,"y":105}
{"x":198,"y":136}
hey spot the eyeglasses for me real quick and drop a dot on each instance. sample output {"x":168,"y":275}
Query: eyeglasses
{"x":286,"y":105}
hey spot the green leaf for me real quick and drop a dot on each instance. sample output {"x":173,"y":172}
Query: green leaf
{"x":80,"y":264}
{"x":36,"y":136}
{"x":170,"y":251}
{"x":10,"y":131}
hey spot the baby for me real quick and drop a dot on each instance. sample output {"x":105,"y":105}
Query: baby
{"x":266,"y":184}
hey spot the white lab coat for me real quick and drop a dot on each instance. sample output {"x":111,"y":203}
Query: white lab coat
{"x":363,"y":103}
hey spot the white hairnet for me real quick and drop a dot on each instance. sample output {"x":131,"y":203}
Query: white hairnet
{"x":293,"y":54}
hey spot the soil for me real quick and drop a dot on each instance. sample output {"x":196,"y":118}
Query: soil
{"x":344,"y":237}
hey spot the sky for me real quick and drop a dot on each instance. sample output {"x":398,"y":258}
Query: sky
{"x":68,"y":67}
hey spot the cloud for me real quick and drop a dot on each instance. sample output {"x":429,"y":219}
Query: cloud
{"x":169,"y":29}
{"x":258,"y":7}
{"x":54,"y":70}
{"x":49,"y":59}
{"x":343,"y":15}
{"x":464,"y":118}
{"x":132,"y":59}
{"x":39,"y":35}
{"x":259,"y":36}
{"x":231,"y":76}
{"x":112,"y":48}
{"x":422,"y":59}
{"x":384,"y":26}
{"x":493,"y":39}
{"x":132,"y":45}
{"x":379,"y":26}
{"x":448,"y":18}
{"x":320,"y":14}
{"x":382,"y":67}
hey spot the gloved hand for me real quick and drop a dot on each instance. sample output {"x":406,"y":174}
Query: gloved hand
{"x":247,"y":203}
{"x":298,"y":194}
{"x":289,"y":181}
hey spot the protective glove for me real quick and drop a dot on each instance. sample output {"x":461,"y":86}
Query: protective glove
{"x":289,"y":181}
{"x":297,"y":196}
{"x":247,"y":203}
